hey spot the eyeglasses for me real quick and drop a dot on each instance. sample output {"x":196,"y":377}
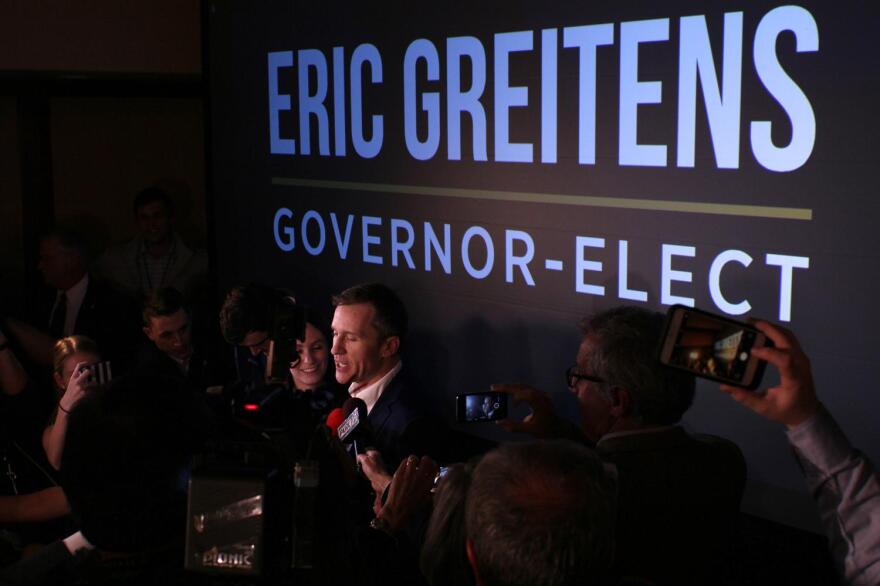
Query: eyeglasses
{"x":572,"y":377}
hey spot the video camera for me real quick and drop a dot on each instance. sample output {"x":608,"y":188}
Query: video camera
{"x":257,"y":494}
{"x":257,"y":395}
{"x":288,"y":326}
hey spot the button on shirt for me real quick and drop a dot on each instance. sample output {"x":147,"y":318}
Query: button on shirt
{"x":370,"y":394}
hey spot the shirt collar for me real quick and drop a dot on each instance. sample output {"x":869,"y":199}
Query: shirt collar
{"x":370,"y":394}
{"x":78,"y":291}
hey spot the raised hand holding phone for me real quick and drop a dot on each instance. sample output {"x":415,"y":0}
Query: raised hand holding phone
{"x":480,"y":407}
{"x":80,"y":381}
{"x":793,"y":400}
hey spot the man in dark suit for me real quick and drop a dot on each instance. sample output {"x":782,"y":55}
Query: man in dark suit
{"x":679,"y":493}
{"x":171,"y":350}
{"x":75,"y":303}
{"x":369,"y":324}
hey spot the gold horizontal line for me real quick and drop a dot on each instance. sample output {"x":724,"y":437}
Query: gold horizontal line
{"x":687,"y":207}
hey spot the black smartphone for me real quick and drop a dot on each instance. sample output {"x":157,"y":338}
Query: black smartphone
{"x":99,"y":373}
{"x":472,"y":407}
{"x":713,"y":347}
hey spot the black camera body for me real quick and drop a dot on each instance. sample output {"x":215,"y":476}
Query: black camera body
{"x":288,"y":326}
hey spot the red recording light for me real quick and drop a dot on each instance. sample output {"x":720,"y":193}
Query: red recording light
{"x":251,"y":407}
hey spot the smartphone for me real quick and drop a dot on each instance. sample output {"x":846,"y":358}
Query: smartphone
{"x":713,"y":347}
{"x":473,"y":407}
{"x":99,"y":372}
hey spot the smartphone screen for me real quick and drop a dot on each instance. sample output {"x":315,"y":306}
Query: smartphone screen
{"x":472,"y":407}
{"x":711,"y":346}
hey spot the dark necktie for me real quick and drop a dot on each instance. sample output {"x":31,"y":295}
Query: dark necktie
{"x":59,"y":316}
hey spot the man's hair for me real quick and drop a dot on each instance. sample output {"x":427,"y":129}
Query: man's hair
{"x":541,"y":513}
{"x":444,"y":560}
{"x":163,"y":303}
{"x":624,"y":353}
{"x":390,"y":319}
{"x":248,"y":308}
{"x":126,"y":450}
{"x":150,"y":195}
{"x":70,"y":239}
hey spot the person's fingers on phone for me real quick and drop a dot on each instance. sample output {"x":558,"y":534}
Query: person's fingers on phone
{"x":519,"y":392}
{"x":537,"y":400}
{"x":511,"y":425}
{"x":792,"y":363}
{"x":727,"y":389}
{"x":80,"y":370}
{"x":778,"y":357}
{"x":781,"y":337}
{"x":749,"y":399}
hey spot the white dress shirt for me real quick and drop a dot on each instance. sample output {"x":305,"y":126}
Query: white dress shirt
{"x":370,"y":394}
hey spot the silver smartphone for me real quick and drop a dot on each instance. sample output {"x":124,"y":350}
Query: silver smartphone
{"x":713,"y":347}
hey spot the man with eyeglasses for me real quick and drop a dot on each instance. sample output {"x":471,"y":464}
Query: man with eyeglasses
{"x":679,"y":493}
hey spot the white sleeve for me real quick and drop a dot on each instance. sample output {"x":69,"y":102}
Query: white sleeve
{"x":847,"y":492}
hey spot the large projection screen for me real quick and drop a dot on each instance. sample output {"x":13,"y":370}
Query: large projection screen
{"x":511,"y":166}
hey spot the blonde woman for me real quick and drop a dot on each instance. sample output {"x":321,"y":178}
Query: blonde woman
{"x":70,"y":358}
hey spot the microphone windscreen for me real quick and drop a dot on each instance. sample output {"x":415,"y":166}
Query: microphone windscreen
{"x":335,"y":419}
{"x":353,"y":403}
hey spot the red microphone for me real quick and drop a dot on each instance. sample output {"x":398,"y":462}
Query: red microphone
{"x":334,"y":420}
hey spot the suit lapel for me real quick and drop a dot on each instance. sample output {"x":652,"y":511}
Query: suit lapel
{"x":384,"y":407}
{"x":85,"y":319}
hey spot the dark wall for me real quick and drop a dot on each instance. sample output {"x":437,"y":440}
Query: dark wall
{"x":97,"y":101}
{"x":282,"y":213}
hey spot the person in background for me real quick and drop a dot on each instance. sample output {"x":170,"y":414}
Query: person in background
{"x":679,"y":493}
{"x":73,"y":378}
{"x":157,"y":257}
{"x":843,"y":482}
{"x":540,"y":513}
{"x":75,"y":303}
{"x":126,"y":464}
{"x":32,"y":505}
{"x":173,"y":348}
{"x":444,"y":556}
{"x":313,"y":380}
{"x":246,"y":324}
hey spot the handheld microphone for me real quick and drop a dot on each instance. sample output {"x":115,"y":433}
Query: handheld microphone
{"x":334,"y":420}
{"x":356,"y":425}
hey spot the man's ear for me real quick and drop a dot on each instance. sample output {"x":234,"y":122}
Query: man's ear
{"x":472,"y":560}
{"x":390,"y":346}
{"x":622,"y":404}
{"x":148,"y":332}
